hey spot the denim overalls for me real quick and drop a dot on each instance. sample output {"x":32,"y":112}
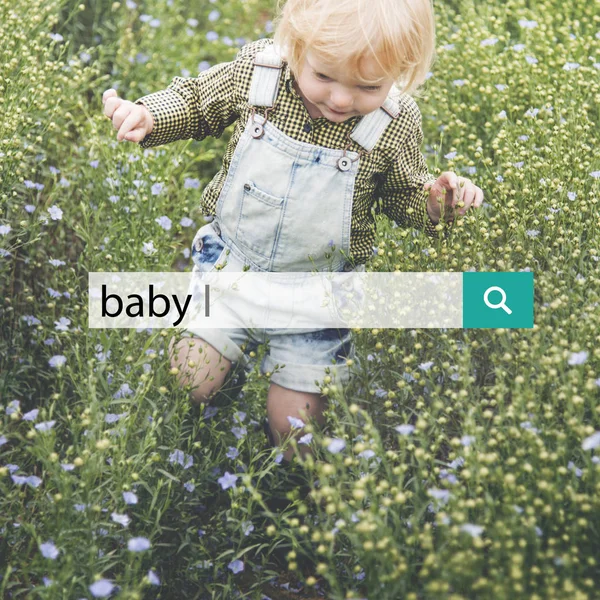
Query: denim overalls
{"x":286,"y":205}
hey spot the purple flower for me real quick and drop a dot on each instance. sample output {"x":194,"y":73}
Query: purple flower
{"x":31,"y":480}
{"x":232,"y":453}
{"x":29,"y":208}
{"x":472,"y":530}
{"x":3,"y":440}
{"x":4,"y":229}
{"x":570,"y":66}
{"x":527,"y":24}
{"x":531,"y":60}
{"x":592,"y":442}
{"x":67,"y":466}
{"x":212,"y":36}
{"x":189,"y":486}
{"x":228,"y":480}
{"x":55,"y":213}
{"x":31,"y":320}
{"x":213,"y":15}
{"x":336,"y":445}
{"x":49,"y":550}
{"x":405,"y":429}
{"x":31,"y":415}
{"x":442,"y":495}
{"x":148,"y":248}
{"x":138,"y":544}
{"x":55,"y":262}
{"x":164,"y":222}
{"x":153,"y":578}
{"x":120,"y":519}
{"x":188,"y":181}
{"x":489,"y":42}
{"x":467,"y":440}
{"x":186,"y":222}
{"x":239,"y":432}
{"x":45,"y":426}
{"x":113,"y":418}
{"x":130,"y":498}
{"x":177,"y":456}
{"x":94,"y":164}
{"x":247,"y":527}
{"x":578,"y":358}
{"x":450,"y":155}
{"x":62,"y":324}
{"x":101,"y":588}
{"x":236,"y":566}
{"x":123,"y":391}
{"x":296,"y":423}
{"x":156,"y":189}
{"x":13,"y":406}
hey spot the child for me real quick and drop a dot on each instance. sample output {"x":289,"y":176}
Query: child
{"x":321,"y":132}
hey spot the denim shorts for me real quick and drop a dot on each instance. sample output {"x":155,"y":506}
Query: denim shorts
{"x":301,"y":354}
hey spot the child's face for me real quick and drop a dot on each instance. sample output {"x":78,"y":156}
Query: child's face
{"x":336,"y":94}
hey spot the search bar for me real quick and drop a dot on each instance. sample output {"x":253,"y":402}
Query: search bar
{"x":225,"y":299}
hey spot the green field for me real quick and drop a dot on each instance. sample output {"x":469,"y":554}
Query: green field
{"x":110,"y":479}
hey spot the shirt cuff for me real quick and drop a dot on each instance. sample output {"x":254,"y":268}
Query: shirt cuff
{"x":171,"y":118}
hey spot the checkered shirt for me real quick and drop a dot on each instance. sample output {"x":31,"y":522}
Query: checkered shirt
{"x":394,"y":171}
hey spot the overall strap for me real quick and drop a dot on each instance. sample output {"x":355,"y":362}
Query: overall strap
{"x":369,"y":129}
{"x":265,"y":78}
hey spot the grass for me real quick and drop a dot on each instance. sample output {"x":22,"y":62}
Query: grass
{"x":470,"y":466}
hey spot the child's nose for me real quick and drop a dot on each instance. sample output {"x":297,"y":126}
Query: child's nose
{"x":341,"y":99}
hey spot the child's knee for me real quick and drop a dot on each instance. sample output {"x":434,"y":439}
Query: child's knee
{"x":199,"y":366}
{"x":283,"y":403}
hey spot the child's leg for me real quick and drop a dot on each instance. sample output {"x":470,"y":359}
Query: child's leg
{"x":200,"y":366}
{"x":283,"y":402}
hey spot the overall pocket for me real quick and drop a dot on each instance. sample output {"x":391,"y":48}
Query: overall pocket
{"x":260,"y":220}
{"x":207,"y":249}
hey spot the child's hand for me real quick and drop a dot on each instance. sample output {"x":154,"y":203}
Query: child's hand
{"x":134,"y":121}
{"x":458,"y":192}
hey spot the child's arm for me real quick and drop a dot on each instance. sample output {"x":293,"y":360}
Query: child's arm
{"x":190,"y":107}
{"x":404,"y":199}
{"x":413,"y":197}
{"x":193,"y":107}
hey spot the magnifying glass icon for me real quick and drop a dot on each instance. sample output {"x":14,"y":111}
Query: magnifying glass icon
{"x":501,"y":304}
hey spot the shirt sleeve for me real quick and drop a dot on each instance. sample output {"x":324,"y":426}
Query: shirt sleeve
{"x":193,"y":107}
{"x":401,"y":189}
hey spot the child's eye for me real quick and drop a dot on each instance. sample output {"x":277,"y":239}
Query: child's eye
{"x":371,"y":88}
{"x":321,"y":76}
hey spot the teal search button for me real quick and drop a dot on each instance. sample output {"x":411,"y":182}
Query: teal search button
{"x":494,"y":300}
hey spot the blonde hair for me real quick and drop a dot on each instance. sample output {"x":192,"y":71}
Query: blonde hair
{"x":398,"y":34}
